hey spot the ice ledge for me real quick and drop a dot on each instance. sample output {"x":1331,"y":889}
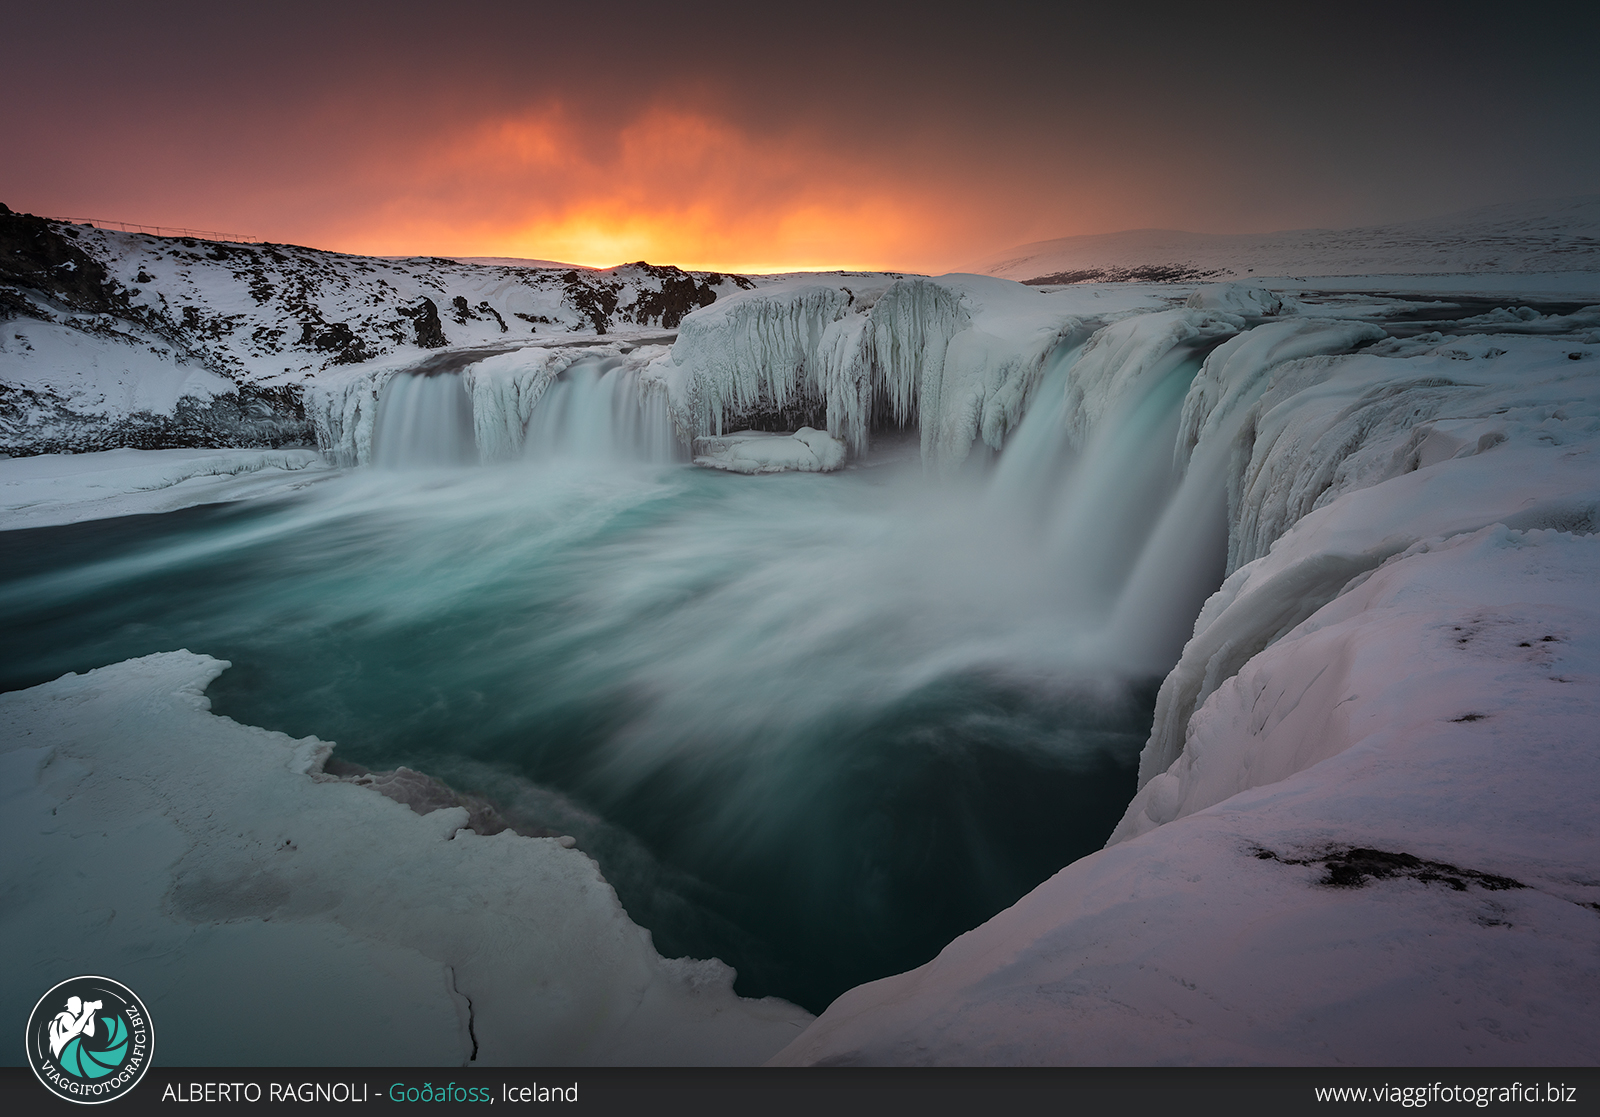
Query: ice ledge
{"x":269,"y":916}
{"x":47,"y":490}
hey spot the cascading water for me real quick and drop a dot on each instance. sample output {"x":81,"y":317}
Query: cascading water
{"x":599,"y":411}
{"x":814,"y":725}
{"x":1139,"y":540}
{"x":424,"y":421}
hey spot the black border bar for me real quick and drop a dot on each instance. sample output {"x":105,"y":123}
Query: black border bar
{"x":823,"y":1091}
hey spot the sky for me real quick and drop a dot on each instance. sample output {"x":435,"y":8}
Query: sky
{"x":761,"y":136}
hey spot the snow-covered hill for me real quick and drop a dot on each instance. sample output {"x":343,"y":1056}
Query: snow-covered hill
{"x":120,"y":339}
{"x":1561,"y":235}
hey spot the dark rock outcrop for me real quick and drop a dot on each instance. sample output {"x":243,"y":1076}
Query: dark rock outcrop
{"x":34,"y":256}
{"x":425,"y":322}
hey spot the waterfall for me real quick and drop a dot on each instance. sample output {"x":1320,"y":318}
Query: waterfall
{"x":424,"y":421}
{"x":1139,"y":539}
{"x":597,"y":409}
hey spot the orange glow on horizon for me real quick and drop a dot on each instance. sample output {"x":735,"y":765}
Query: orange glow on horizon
{"x":671,"y":187}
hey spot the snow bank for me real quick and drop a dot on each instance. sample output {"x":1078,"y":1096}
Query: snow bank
{"x":959,"y":355}
{"x":1248,"y":299}
{"x":263,"y":908}
{"x":49,"y":489}
{"x":104,"y":372}
{"x":805,"y":451}
{"x":1414,"y":884}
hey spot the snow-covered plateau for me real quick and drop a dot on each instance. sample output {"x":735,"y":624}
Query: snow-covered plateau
{"x":1350,"y":526}
{"x":1557,"y":236}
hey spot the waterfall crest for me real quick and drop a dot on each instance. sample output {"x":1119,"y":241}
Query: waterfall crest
{"x":600,"y":409}
{"x":422,"y":422}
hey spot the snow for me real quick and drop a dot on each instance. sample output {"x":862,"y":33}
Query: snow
{"x":1522,"y":238}
{"x":805,"y":451}
{"x":169,"y":319}
{"x":107,"y":372}
{"x":359,"y":932}
{"x":1442,"y":710}
{"x":1250,"y":300}
{"x":50,"y":489}
{"x":1350,"y":460}
{"x":1404,"y":658}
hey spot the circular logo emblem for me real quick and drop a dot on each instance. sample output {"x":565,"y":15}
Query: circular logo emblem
{"x":89,"y":1039}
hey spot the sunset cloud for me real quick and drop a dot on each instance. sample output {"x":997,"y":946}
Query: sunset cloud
{"x":669,"y":185}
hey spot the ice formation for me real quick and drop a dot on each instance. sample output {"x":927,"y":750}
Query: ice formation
{"x":806,"y":450}
{"x":957,"y":357}
{"x":530,"y":401}
{"x":1447,"y":440}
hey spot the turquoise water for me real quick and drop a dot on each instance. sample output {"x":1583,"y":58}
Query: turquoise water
{"x":813,"y":725}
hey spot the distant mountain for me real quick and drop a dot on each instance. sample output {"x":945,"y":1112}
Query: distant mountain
{"x":1552,"y":235}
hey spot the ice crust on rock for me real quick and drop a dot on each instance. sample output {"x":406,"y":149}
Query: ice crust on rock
{"x":805,"y":451}
{"x":1248,"y":299}
{"x":358,"y":931}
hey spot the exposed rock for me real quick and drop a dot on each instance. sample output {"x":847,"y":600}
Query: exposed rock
{"x":425,"y":321}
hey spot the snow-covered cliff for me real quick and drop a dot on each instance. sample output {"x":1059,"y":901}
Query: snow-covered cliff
{"x":1365,"y":830}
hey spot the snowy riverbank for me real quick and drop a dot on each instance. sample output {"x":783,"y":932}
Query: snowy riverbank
{"x":271,"y":915}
